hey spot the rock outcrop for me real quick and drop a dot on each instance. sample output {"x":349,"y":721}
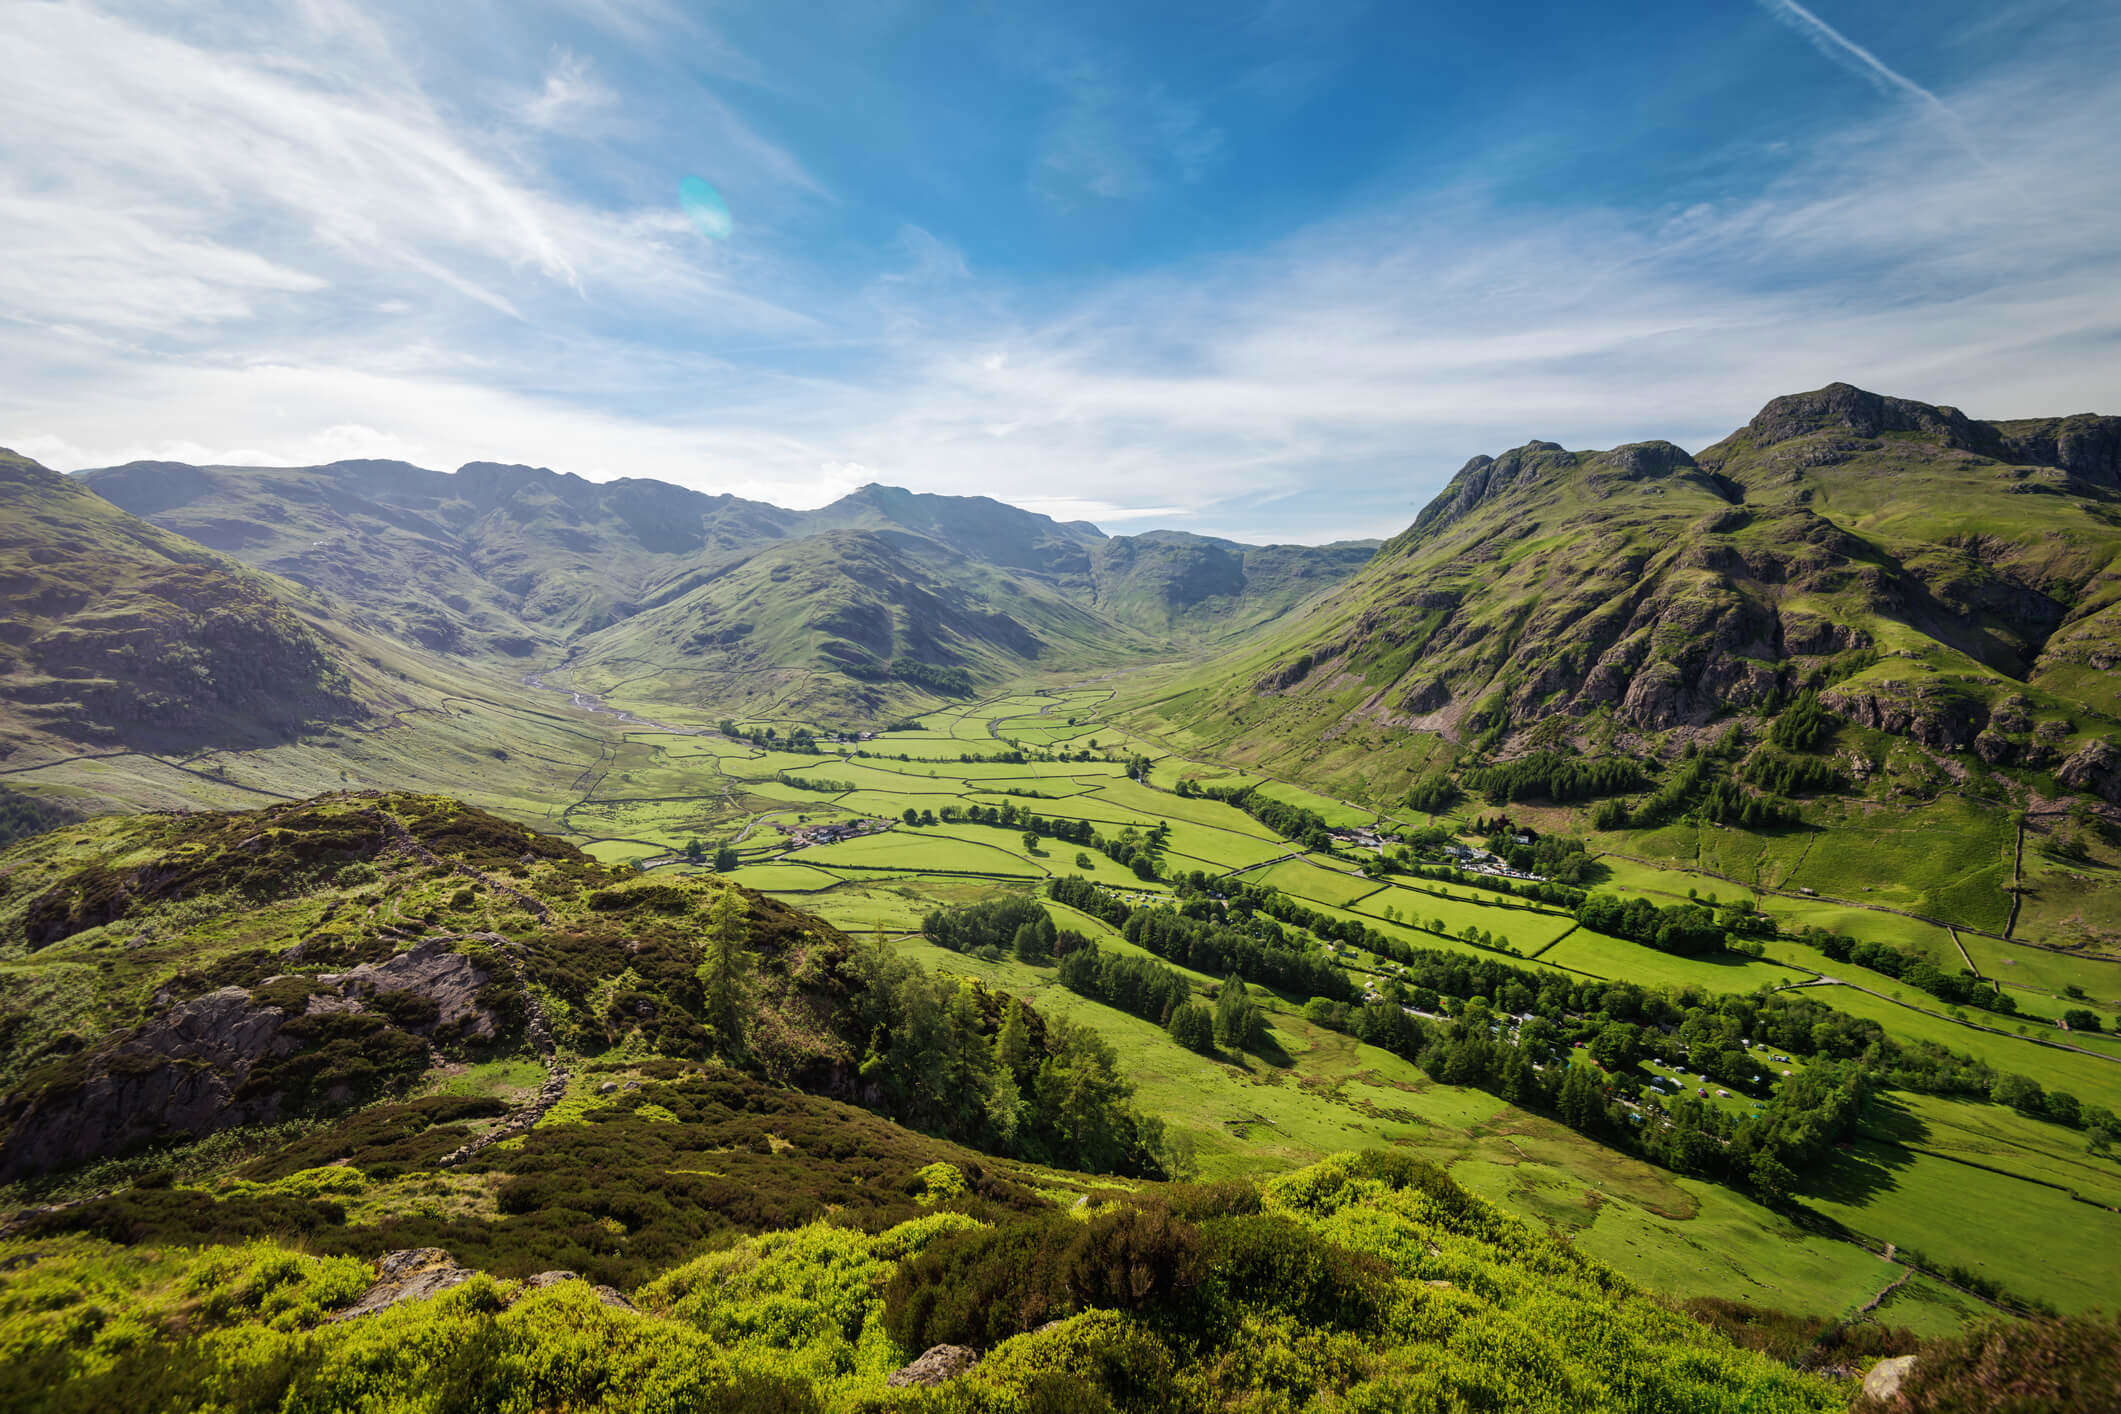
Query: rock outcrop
{"x":202,"y":1065}
{"x":934,"y":1366}
{"x":2095,"y":767}
{"x":410,"y":1274}
{"x":1930,"y":712}
{"x":178,"y":1074}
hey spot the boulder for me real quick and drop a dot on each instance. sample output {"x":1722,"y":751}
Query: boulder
{"x":409,"y":1274}
{"x":935,"y":1365}
{"x":1883,"y":1381}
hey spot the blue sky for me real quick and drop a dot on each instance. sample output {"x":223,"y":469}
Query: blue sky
{"x":1269,"y":270}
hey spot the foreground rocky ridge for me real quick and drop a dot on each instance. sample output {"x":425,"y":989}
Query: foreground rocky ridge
{"x":287,"y":963}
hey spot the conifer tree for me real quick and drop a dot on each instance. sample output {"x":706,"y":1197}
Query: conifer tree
{"x":724,"y":971}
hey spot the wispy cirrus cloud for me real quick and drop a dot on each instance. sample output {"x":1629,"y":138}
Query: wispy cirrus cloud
{"x":571,"y":92}
{"x":1861,"y":62}
{"x":258,"y":169}
{"x":259,"y":249}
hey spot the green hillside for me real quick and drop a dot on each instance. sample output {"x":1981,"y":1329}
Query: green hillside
{"x":121,"y":633}
{"x":1918,"y":564}
{"x":377,"y":1023}
{"x":503,"y":560}
{"x":1166,"y":581}
{"x":1936,"y":591}
{"x":867,"y":622}
{"x":693,"y":596}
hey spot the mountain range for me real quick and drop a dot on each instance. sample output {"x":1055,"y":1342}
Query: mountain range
{"x":367,"y":998}
{"x":1932,"y":576}
{"x":882,"y":587}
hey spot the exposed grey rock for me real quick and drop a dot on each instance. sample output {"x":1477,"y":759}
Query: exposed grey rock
{"x":1930,"y":712}
{"x":1994,"y":747}
{"x":184,"y":1072}
{"x":178,"y":1074}
{"x":935,"y":1365}
{"x":1884,"y":1380}
{"x":409,"y":1274}
{"x":2096,"y":767}
{"x":448,"y":979}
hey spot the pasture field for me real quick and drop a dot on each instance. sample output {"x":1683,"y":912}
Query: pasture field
{"x":1956,"y":1214}
{"x":1324,"y":1091}
{"x":1622,"y":961}
{"x":2039,"y":970}
{"x":1334,"y":812}
{"x":917,"y":851}
{"x":1997,"y":1138}
{"x":1300,"y":878}
{"x":2095,"y":1079}
{"x":1528,"y":929}
{"x":2072,"y":904}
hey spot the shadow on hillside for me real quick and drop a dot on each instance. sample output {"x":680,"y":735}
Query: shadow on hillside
{"x":1864,"y":1170}
{"x":1269,"y":1051}
{"x":1889,"y":1119}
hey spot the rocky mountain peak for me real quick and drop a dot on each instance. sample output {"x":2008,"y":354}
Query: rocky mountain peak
{"x":1845,"y":408}
{"x":1484,"y":478}
{"x":1640,"y":461}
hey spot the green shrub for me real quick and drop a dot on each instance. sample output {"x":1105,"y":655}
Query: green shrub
{"x":1095,"y":1361}
{"x":979,"y":1288}
{"x":982,"y":1287}
{"x":1281,"y":1263}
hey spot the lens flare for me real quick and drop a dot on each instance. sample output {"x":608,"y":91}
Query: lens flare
{"x":706,"y":208}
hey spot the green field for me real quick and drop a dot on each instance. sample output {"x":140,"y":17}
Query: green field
{"x":635,"y":794}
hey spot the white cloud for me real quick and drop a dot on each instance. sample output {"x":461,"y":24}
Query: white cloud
{"x":191,"y":178}
{"x":571,"y":92}
{"x":229,"y":260}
